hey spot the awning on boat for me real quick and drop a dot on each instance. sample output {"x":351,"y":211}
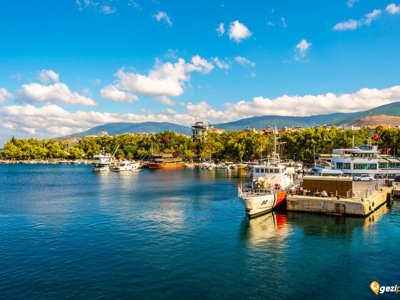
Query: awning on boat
{"x":383,"y":161}
{"x":393,"y":160}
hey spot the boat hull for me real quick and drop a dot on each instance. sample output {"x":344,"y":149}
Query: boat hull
{"x":170,"y":166}
{"x":100,"y":168}
{"x":260,"y":204}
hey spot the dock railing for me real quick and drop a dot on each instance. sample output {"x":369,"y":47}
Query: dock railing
{"x":363,"y":194}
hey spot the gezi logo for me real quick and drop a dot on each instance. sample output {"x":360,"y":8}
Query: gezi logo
{"x":375,"y":287}
{"x":378,"y":289}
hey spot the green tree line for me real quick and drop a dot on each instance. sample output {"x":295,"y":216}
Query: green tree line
{"x":230,"y":145}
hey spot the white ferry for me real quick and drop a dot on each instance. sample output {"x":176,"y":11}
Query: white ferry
{"x":365,"y":160}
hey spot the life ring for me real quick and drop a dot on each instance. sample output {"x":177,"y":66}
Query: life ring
{"x":352,"y":158}
{"x":369,"y":158}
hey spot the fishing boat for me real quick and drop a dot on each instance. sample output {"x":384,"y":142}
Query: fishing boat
{"x":166,"y":161}
{"x":269,"y":186}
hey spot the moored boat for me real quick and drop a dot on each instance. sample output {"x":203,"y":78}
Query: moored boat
{"x":124,"y":166}
{"x":101,"y":162}
{"x":268,"y":189}
{"x":166,"y":161}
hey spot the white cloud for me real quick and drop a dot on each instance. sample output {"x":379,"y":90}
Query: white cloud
{"x":314,"y":104}
{"x":52,"y":120}
{"x":346,"y":25}
{"x":367,"y":20}
{"x":82,"y":4}
{"x":164,"y":80}
{"x":220,"y":29}
{"x":103,"y":6}
{"x":29,"y":130}
{"x":4,"y":95}
{"x":48,"y":76}
{"x":350,"y":3}
{"x":133,"y":3}
{"x":223,"y":65}
{"x":162,"y":16}
{"x":238,"y":31}
{"x":108,"y":10}
{"x":284,"y":23}
{"x":17,"y":76}
{"x":302,"y":49}
{"x":244,"y":61}
{"x":112,"y":93}
{"x":57,"y":92}
{"x":8,"y":125}
{"x":200,"y":65}
{"x":270,"y":23}
{"x":393,"y":9}
{"x":372,"y":16}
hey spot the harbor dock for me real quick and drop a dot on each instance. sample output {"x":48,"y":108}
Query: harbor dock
{"x":338,"y":196}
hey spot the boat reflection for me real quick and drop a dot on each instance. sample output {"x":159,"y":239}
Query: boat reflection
{"x":274,"y":228}
{"x":270,"y":227}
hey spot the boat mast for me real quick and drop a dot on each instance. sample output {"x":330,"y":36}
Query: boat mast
{"x":113,"y":156}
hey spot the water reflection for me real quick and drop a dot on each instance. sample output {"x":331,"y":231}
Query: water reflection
{"x":315,"y":224}
{"x":270,"y":228}
{"x":278,"y":226}
{"x":224,"y":173}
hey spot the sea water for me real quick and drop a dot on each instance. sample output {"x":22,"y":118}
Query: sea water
{"x":67,"y":232}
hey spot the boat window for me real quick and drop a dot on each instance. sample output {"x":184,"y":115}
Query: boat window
{"x":262,"y":171}
{"x":257,"y":170}
{"x":276,"y":170}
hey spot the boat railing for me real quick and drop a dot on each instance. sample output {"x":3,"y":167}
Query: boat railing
{"x":255,"y":191}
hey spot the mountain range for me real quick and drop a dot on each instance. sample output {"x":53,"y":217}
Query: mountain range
{"x":260,"y":122}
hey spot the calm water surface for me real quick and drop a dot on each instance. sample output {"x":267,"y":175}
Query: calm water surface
{"x":66,"y":232}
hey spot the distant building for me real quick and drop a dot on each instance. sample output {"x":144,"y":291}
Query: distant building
{"x":324,"y":126}
{"x":290,"y":129}
{"x":350,"y":127}
{"x":99,"y":134}
{"x":102,"y":133}
{"x":248,"y":129}
{"x":269,"y":130}
{"x":200,"y":130}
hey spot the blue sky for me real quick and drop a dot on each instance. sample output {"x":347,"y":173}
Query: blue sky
{"x":69,"y":65}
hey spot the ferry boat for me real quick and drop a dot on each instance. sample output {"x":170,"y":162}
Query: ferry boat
{"x":268,"y":189}
{"x":365,"y":159}
{"x":101,"y":162}
{"x":166,"y":161}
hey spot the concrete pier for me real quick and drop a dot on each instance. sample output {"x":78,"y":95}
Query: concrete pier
{"x":359,"y":202}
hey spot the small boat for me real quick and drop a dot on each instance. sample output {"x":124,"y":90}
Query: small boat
{"x":166,"y":161}
{"x":271,"y":181}
{"x":124,"y":166}
{"x":207,"y":165}
{"x":101,"y":162}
